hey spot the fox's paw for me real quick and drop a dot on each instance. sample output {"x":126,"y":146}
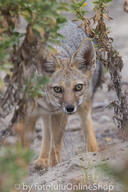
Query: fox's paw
{"x":41,"y":163}
{"x":92,"y":147}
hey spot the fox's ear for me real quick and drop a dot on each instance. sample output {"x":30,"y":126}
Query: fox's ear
{"x":85,"y":57}
{"x":52,"y":64}
{"x":57,"y":64}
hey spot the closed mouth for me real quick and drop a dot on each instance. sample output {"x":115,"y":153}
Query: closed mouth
{"x":70,"y":113}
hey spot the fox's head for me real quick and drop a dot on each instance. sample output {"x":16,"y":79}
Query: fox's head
{"x":69,"y":85}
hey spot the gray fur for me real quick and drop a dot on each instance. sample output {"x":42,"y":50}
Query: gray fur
{"x":73,"y":36}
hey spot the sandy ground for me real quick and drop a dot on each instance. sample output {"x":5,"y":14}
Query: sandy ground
{"x":77,"y":164}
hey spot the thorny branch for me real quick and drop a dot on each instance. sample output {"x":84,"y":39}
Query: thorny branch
{"x":107,"y":54}
{"x":26,"y":59}
{"x":96,"y":29}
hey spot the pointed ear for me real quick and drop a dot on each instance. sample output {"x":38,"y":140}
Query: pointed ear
{"x":85,"y":56}
{"x":56,"y":61}
{"x":53,"y":64}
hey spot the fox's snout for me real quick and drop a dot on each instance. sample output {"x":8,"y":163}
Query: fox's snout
{"x":69,"y":109}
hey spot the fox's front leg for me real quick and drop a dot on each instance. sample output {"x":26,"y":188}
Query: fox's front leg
{"x":59,"y":122}
{"x":53,"y":131}
{"x":43,"y":159}
{"x":86,"y":121}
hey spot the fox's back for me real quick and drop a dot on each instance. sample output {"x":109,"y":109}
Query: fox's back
{"x":73,"y":36}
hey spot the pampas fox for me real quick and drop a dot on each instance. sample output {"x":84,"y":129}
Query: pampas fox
{"x":74,"y":75}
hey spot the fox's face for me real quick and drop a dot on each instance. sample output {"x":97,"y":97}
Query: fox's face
{"x":69,"y":85}
{"x":68,"y":89}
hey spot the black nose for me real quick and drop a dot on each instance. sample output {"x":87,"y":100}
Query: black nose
{"x":70,"y":108}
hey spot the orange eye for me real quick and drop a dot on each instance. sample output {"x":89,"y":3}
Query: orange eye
{"x":78,"y":87}
{"x":58,"y":89}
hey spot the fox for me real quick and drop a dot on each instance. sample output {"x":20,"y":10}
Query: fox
{"x":74,"y":76}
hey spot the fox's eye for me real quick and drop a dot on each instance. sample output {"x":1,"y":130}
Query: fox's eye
{"x":58,"y":89}
{"x":78,"y":87}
